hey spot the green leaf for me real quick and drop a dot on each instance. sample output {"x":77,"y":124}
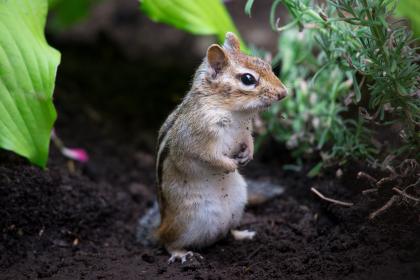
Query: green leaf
{"x":315,"y":170}
{"x":248,"y":7}
{"x":358,"y":93}
{"x":28,"y":68}
{"x":200,"y":17}
{"x":66,"y":13}
{"x":410,"y":9}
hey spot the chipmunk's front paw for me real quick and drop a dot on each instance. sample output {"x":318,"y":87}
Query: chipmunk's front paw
{"x":244,"y":155}
{"x":230,"y":165}
{"x":182,"y":255}
{"x":243,"y":234}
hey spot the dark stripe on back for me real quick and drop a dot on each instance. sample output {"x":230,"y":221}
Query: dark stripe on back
{"x":159,"y":168}
{"x":162,"y":157}
{"x":166,"y":127}
{"x":161,"y":197}
{"x":165,"y":150}
{"x":165,"y":131}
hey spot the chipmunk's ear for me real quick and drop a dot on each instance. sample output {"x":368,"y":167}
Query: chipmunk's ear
{"x":232,"y":42}
{"x":217,"y":58}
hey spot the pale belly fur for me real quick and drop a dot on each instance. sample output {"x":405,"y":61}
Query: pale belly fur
{"x":214,"y":205}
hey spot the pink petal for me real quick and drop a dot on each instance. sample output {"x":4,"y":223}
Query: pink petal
{"x":76,"y":154}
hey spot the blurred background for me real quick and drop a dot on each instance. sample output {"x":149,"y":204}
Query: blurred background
{"x":124,"y":72}
{"x":125,"y":65}
{"x":154,"y":62}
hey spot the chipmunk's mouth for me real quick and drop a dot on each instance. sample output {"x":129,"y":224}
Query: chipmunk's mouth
{"x":267,"y":102}
{"x":259,"y":104}
{"x":263,"y":105}
{"x":266,"y":105}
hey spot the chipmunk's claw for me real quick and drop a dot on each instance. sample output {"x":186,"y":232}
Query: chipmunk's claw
{"x":244,"y":155}
{"x":182,"y":256}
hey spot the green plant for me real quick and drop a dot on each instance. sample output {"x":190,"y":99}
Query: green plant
{"x":377,"y":72}
{"x":65,"y":13}
{"x":28,"y":68}
{"x":200,"y":17}
{"x":309,"y":120}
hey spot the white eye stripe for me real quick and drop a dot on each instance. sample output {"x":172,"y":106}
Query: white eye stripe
{"x":243,"y":70}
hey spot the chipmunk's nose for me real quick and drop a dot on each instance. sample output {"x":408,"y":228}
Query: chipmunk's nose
{"x":282,"y":93}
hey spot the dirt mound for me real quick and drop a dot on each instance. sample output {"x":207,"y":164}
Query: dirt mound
{"x":58,"y":225}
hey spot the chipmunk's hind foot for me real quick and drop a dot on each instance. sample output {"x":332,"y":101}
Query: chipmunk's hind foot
{"x":243,"y":234}
{"x":182,"y":255}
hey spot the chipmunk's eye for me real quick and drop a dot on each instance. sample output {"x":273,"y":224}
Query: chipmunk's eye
{"x":248,"y":80}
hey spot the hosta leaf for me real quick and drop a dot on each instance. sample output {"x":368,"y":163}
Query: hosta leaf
{"x":411,"y":10}
{"x":65,"y":13}
{"x":201,"y":17}
{"x":28,"y":68}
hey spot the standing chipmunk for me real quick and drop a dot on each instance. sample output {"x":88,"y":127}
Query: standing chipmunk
{"x":201,"y":194}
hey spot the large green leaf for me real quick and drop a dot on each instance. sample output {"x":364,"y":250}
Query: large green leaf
{"x":28,"y":68}
{"x":201,"y":17}
{"x":65,"y":13}
{"x":410,"y":9}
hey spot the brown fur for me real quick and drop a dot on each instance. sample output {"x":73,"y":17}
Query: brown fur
{"x":231,"y":58}
{"x":169,"y":230}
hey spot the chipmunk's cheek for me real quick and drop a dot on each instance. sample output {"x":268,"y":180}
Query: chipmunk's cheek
{"x":268,"y":96}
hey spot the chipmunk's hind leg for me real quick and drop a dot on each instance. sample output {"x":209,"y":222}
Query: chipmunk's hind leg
{"x":182,"y":255}
{"x":243,"y":234}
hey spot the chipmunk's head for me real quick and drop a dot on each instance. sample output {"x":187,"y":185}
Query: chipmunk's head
{"x":243,"y":82}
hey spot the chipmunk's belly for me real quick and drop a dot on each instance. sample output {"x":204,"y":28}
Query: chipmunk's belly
{"x":219,"y":203}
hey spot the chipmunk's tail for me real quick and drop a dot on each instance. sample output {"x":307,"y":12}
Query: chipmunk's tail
{"x":147,"y":224}
{"x":261,"y":191}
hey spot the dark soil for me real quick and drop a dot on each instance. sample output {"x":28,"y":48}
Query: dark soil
{"x":74,"y":221}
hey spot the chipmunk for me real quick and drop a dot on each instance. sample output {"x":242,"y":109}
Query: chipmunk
{"x":202,"y":143}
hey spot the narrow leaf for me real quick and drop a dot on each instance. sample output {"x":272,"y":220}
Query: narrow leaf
{"x":315,"y":170}
{"x":248,"y":7}
{"x":358,"y":93}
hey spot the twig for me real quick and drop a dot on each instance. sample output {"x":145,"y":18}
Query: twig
{"x":366,"y":176}
{"x":406,"y":195}
{"x":392,"y":171}
{"x":371,"y":190}
{"x":412,"y":165}
{"x":412,"y":185}
{"x":385,"y":180}
{"x":393,"y":199}
{"x":347,"y":204}
{"x":362,"y":81}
